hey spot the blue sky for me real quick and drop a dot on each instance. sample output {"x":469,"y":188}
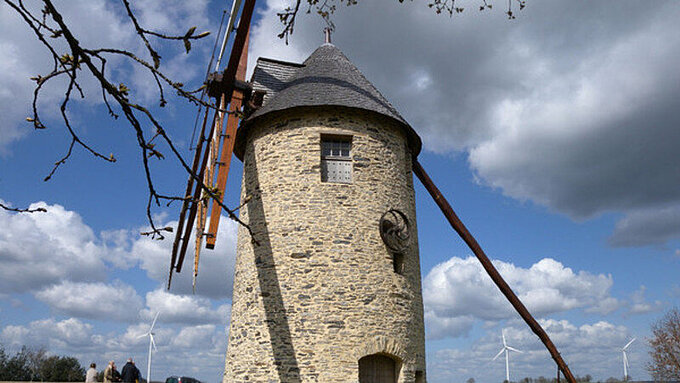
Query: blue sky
{"x":553,"y":137}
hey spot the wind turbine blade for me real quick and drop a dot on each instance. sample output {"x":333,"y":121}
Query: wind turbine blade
{"x":503,"y":336}
{"x":499,"y":354}
{"x":153,"y":343}
{"x":514,"y":349}
{"x":629,"y":343}
{"x":142,"y":336}
{"x":154,"y":322}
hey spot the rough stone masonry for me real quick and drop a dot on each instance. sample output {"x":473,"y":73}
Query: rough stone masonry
{"x":317,"y":295}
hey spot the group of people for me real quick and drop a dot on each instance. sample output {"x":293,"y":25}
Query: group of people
{"x":129,"y":374}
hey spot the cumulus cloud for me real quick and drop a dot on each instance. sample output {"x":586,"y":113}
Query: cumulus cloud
{"x":198,"y":349}
{"x":41,"y":249}
{"x":194,"y":337}
{"x":647,"y":227}
{"x":640,"y":305}
{"x":115,"y":302}
{"x":55,"y":335}
{"x":591,"y":347}
{"x":459,"y":291}
{"x":216,"y":267}
{"x":185,"y":309}
{"x":582,"y":125}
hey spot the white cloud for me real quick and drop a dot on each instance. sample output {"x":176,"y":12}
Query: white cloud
{"x":216,"y":267}
{"x":640,"y":305}
{"x":40,"y":249}
{"x":55,"y":335}
{"x":588,"y":349}
{"x":195,"y":337}
{"x":181,"y":350}
{"x":582,"y":125}
{"x":115,"y":302}
{"x":459,"y":290}
{"x":186,"y":309}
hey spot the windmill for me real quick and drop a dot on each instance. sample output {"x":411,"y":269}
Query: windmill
{"x":211,"y":165}
{"x":625,"y":359}
{"x":507,"y":350}
{"x":151,"y":344}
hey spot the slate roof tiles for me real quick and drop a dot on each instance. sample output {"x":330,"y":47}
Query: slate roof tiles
{"x":326,"y":78}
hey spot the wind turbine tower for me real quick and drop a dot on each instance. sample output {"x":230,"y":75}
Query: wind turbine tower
{"x":625,"y":359}
{"x":151,"y":344}
{"x":506,"y":349}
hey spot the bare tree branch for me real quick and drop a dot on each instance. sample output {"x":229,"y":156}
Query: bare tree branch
{"x":49,"y":26}
{"x":80,"y":61}
{"x":326,"y":8}
{"x":36,"y":210}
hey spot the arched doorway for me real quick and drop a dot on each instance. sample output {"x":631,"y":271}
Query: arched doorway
{"x":377,"y":368}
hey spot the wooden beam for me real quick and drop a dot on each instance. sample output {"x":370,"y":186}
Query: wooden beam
{"x":228,"y":81}
{"x":194,"y":206}
{"x":186,"y":203}
{"x":460,"y":228}
{"x":229,"y":137}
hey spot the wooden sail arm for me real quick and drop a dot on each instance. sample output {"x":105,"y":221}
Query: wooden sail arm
{"x":226,"y":87}
{"x":227,"y":139}
{"x":186,"y":203}
{"x":460,"y":228}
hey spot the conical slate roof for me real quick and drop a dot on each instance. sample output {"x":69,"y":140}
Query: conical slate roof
{"x":326,"y":78}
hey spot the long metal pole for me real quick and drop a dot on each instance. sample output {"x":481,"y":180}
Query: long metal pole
{"x":235,"y":6}
{"x":460,"y":228}
{"x":148,"y":365}
{"x":507,"y":366}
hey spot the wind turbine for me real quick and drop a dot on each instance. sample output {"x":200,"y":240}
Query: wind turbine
{"x":151,"y":344}
{"x":625,"y":359}
{"x":505,"y":349}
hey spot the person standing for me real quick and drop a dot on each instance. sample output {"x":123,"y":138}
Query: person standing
{"x":130,"y":372}
{"x":108,"y":372}
{"x":91,"y":375}
{"x":115,"y":373}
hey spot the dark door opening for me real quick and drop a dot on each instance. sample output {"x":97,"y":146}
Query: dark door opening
{"x":377,"y":368}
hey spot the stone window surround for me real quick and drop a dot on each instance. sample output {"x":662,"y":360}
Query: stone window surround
{"x":335,"y":137}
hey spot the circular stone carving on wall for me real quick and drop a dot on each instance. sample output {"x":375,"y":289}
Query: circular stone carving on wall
{"x":395,"y":230}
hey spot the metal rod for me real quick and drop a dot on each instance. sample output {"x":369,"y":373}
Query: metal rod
{"x":230,"y":25}
{"x":196,"y":197}
{"x":185,"y":203}
{"x":460,"y":228}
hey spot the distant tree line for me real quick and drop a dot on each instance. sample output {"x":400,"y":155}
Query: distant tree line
{"x":35,"y":365}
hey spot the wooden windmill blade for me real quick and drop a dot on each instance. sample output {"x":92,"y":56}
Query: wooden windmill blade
{"x":221,"y":87}
{"x":187,"y":204}
{"x":228,"y":139}
{"x":208,"y":177}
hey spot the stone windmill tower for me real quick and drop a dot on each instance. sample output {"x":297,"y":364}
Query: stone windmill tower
{"x":327,"y":288}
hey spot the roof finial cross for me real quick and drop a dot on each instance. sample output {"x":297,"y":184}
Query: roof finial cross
{"x":327,"y":33}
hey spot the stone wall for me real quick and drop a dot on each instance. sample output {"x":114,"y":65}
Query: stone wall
{"x":318,"y":290}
